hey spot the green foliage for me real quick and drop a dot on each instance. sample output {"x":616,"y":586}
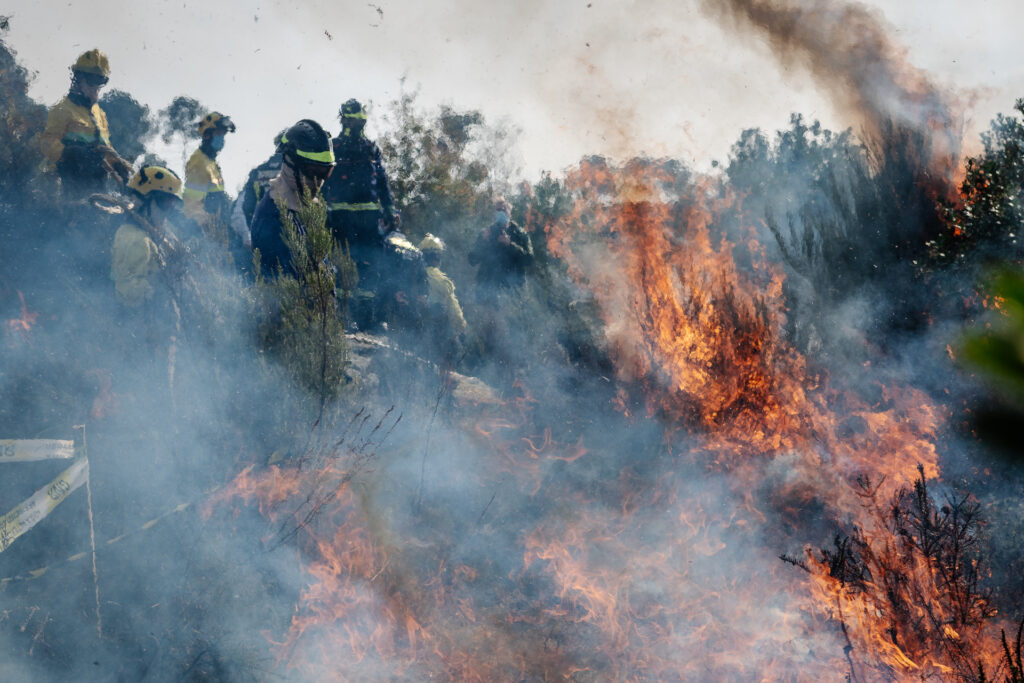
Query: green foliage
{"x":178,"y":121}
{"x":21,"y":119}
{"x":434,"y":173}
{"x":839,"y":212}
{"x":988,"y":215}
{"x":179,"y":118}
{"x":130,"y":123}
{"x":308,"y":333}
{"x":999,"y":351}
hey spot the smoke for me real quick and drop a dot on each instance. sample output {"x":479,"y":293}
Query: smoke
{"x":562,"y":525}
{"x":850,"y":51}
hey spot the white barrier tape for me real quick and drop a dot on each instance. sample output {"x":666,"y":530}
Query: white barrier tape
{"x":32,"y":511}
{"x":36,"y":573}
{"x":28,"y":450}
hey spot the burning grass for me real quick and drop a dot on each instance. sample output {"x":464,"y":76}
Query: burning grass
{"x":592,"y":559}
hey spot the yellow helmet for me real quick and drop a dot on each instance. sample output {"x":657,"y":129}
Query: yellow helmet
{"x":155,"y":179}
{"x":215,"y":120}
{"x":92,"y":62}
{"x":432,"y":243}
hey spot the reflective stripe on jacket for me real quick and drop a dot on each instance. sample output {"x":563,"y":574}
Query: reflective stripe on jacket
{"x":202,"y":178}
{"x":71,"y":123}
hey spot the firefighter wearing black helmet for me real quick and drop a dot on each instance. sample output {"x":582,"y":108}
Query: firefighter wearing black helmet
{"x":359,"y":201}
{"x":362,"y":217}
{"x":306,"y":162}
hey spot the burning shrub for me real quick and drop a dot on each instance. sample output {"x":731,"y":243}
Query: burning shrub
{"x":907,"y":587}
{"x":986,"y":218}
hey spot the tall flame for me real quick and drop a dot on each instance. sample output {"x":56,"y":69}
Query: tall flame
{"x":653,"y":566}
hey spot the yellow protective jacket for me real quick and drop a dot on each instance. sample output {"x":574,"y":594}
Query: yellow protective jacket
{"x":202,"y":179}
{"x":134,"y":262}
{"x":441,"y":293}
{"x":71,"y":123}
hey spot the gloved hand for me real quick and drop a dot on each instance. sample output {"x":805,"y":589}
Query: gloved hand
{"x":82,"y":161}
{"x":217,"y":203}
{"x":119,"y":166}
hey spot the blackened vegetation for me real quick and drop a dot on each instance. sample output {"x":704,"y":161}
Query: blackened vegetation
{"x":270,"y":377}
{"x":924,"y":574}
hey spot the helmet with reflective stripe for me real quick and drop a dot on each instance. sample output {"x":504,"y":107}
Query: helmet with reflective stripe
{"x":92,"y":62}
{"x":431,"y":243}
{"x":352,"y":109}
{"x":216,"y":121}
{"x":151,"y":179}
{"x":308,"y":143}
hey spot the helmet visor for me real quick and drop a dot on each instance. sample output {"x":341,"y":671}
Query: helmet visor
{"x":316,"y":172}
{"x":92,"y":80}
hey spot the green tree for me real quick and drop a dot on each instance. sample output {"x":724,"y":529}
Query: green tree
{"x":987,"y":217}
{"x":130,"y":123}
{"x":21,"y":119}
{"x":307,"y":329}
{"x":178,"y":122}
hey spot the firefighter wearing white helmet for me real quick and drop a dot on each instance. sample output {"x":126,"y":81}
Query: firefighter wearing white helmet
{"x":206,"y":201}
{"x":76,"y":141}
{"x":443,"y":306}
{"x":136,"y":260}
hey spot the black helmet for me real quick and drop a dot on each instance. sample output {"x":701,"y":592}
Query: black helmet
{"x":308,"y":143}
{"x":352,"y":110}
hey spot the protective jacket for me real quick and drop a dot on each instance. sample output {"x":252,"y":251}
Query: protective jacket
{"x":268,"y":225}
{"x":204,"y":193}
{"x":257,"y":184}
{"x":359,"y":182}
{"x":135,"y":260}
{"x":501,"y":264}
{"x":441,"y":294}
{"x":76,"y":140}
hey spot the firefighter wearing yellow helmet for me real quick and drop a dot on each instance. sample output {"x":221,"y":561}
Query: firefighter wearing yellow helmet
{"x":206,"y":202}
{"x":444,"y":311}
{"x":76,"y":141}
{"x":136,"y":259}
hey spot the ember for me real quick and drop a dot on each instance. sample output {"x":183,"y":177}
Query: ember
{"x":20,"y":327}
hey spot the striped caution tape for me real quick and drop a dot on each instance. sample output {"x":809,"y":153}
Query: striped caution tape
{"x":29,"y":450}
{"x":36,"y":573}
{"x":43,"y":502}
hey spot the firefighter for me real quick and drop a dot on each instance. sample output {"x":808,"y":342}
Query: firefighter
{"x":502,"y":252}
{"x":206,"y":202}
{"x":76,"y":140}
{"x":255,"y":186}
{"x":307,"y":160}
{"x":362,"y":218}
{"x":136,"y":259}
{"x":444,"y":314}
{"x":359,"y":201}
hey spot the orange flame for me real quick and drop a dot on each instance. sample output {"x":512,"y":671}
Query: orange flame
{"x":23,"y":324}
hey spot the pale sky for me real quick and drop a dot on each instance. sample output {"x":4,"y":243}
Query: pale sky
{"x":577,"y":76}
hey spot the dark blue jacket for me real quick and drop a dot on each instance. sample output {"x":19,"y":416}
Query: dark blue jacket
{"x":257,"y":184}
{"x":268,"y":237}
{"x":359,"y":177}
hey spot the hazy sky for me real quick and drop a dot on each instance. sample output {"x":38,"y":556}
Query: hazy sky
{"x":577,"y":76}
